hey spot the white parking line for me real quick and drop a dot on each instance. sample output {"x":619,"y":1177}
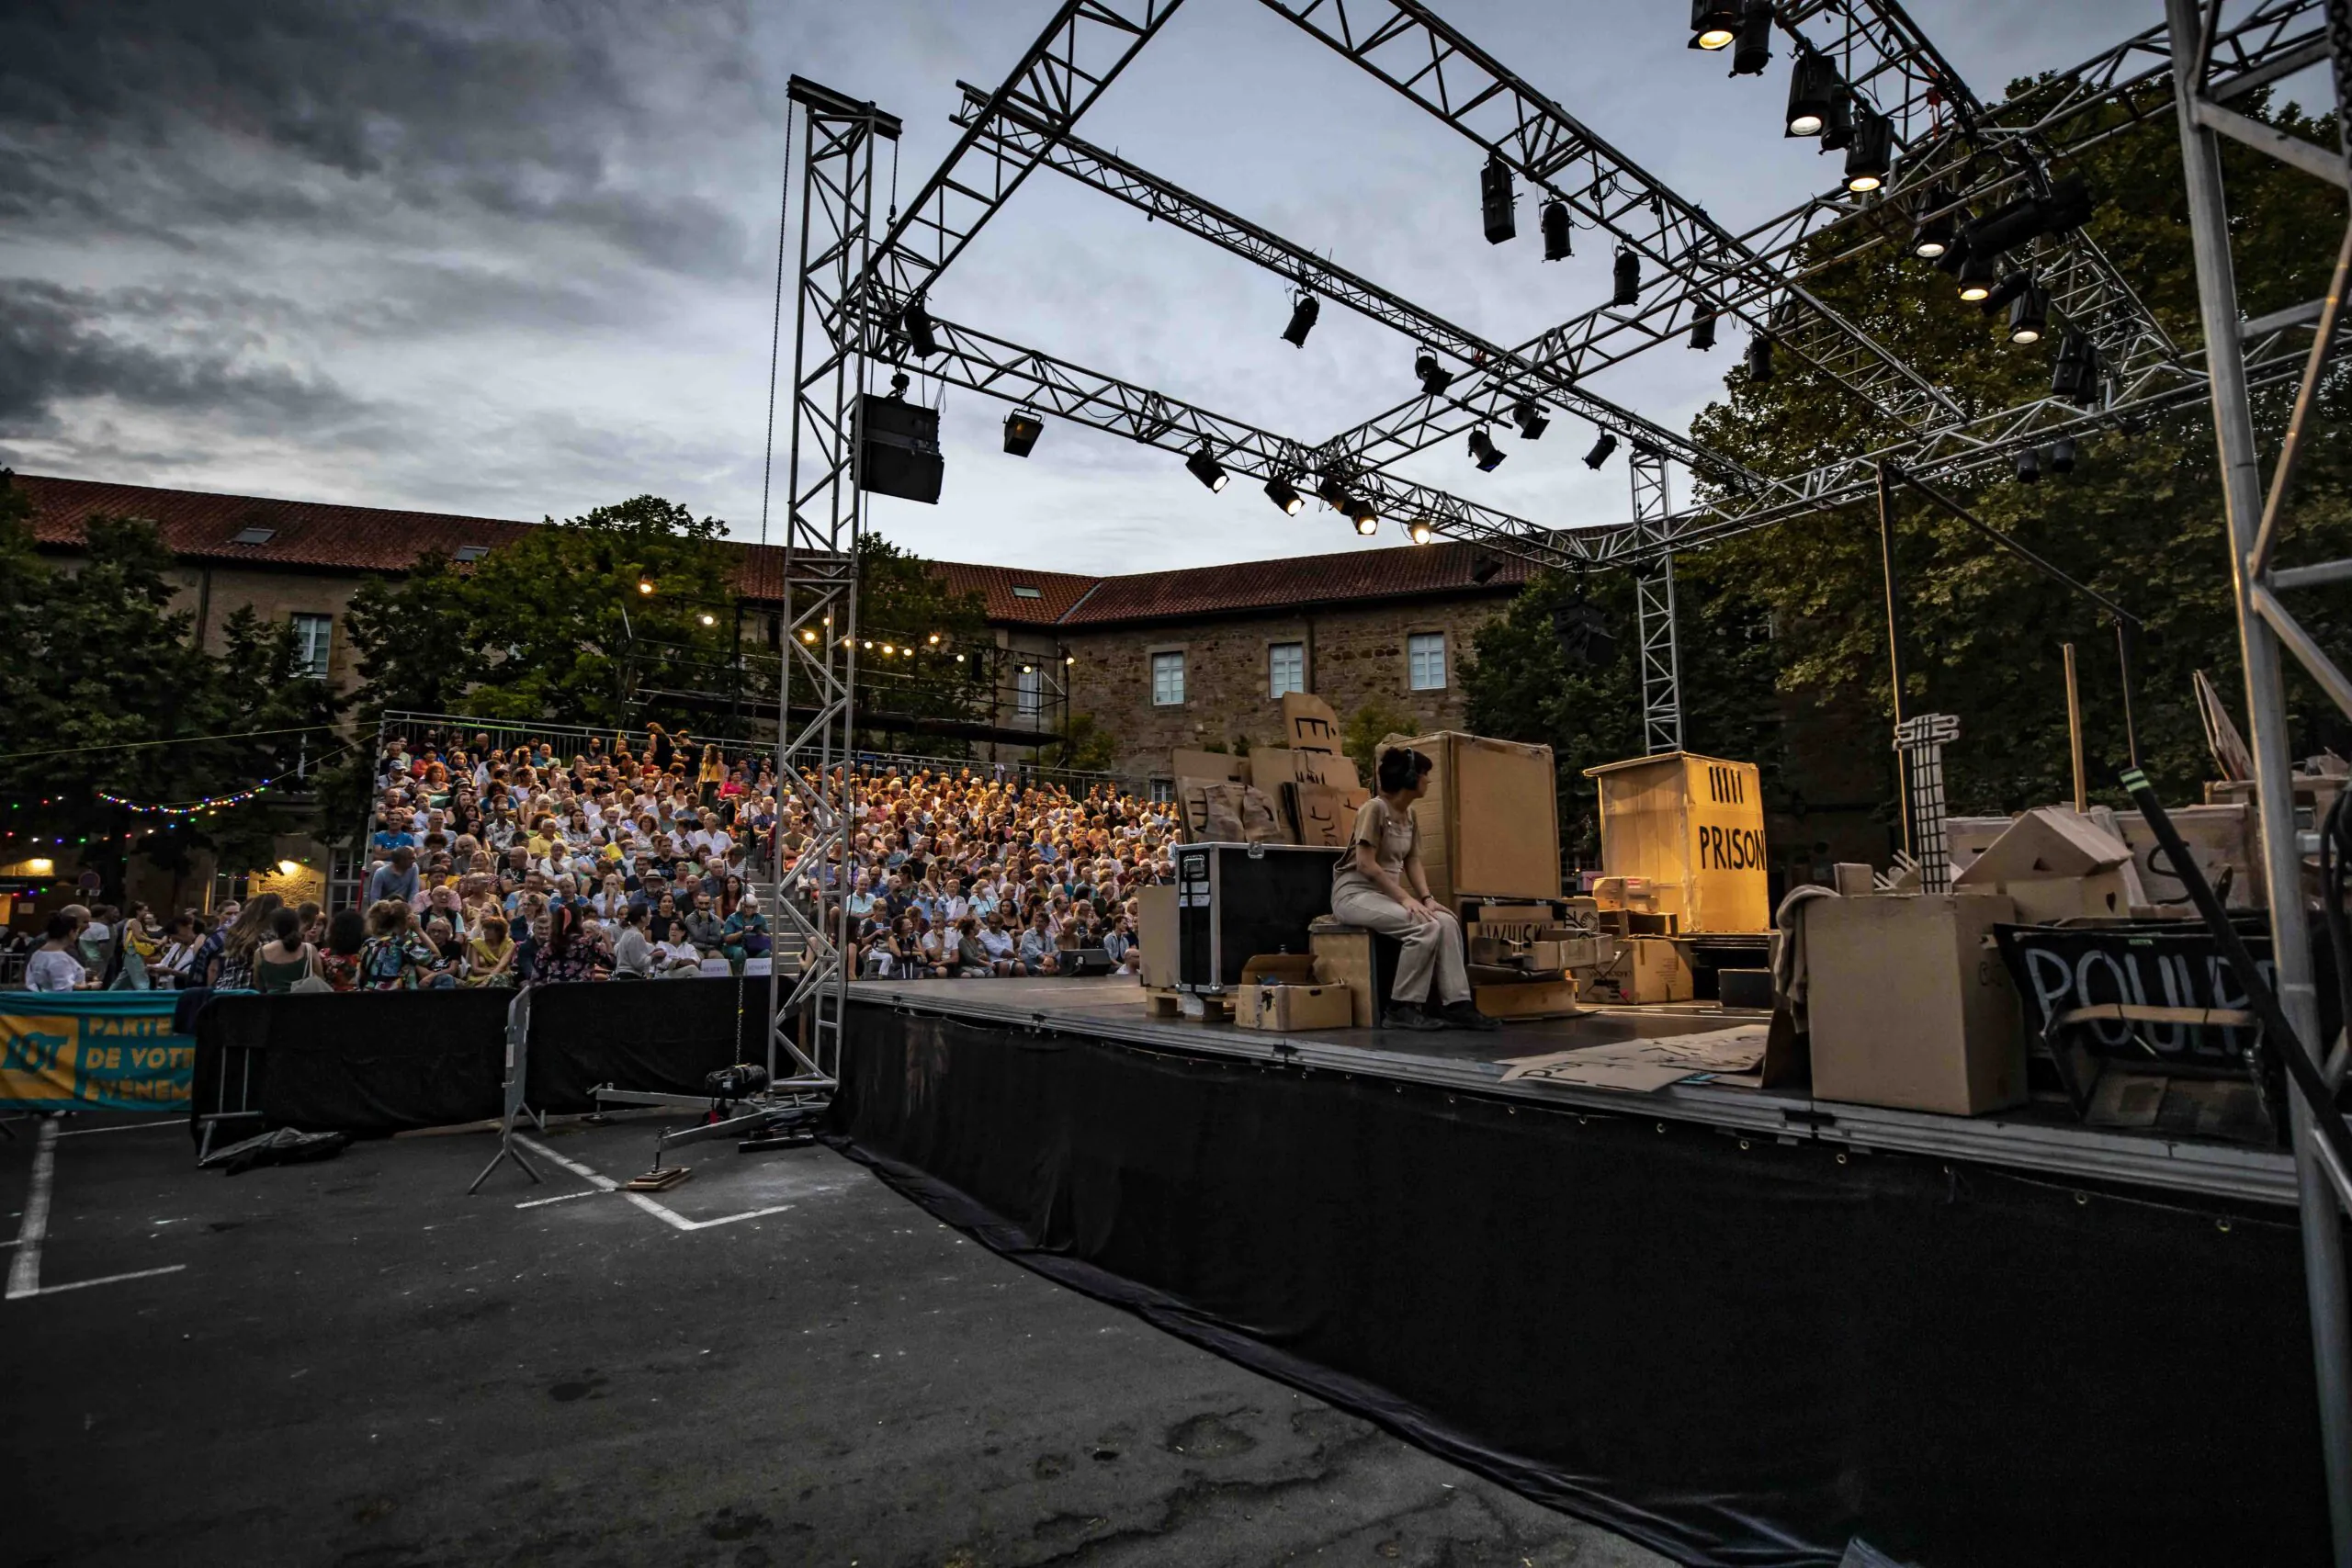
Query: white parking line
{"x":125,"y":1127}
{"x":24,"y":1269}
{"x":110,"y":1279}
{"x":606,"y":1184}
{"x":560,"y":1198}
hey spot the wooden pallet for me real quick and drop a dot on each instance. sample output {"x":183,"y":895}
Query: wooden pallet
{"x":1159,"y":1003}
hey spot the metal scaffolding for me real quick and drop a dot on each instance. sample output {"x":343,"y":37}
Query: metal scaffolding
{"x":1661,"y":655}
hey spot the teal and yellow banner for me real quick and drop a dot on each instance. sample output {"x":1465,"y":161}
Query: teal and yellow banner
{"x":93,"y":1051}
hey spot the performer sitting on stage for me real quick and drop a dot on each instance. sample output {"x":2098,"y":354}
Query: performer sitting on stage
{"x":1379,"y":885}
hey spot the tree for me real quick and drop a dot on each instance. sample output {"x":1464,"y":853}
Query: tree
{"x":1085,"y":747}
{"x":1361,"y":736}
{"x":903,"y":605}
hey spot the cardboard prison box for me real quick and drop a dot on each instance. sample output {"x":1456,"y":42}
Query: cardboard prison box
{"x":1693,"y":827}
{"x":1490,"y":818}
{"x":1910,"y":1006}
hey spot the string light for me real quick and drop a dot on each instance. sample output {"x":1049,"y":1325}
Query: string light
{"x":187,"y":808}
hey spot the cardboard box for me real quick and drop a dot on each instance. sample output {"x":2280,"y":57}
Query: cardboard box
{"x":1280,"y":991}
{"x":1694,"y":827}
{"x":1156,"y":935}
{"x":1526,"y":999}
{"x":2057,"y":866}
{"x":1853,"y":879}
{"x":1490,"y":821}
{"x":1625,"y":892}
{"x":1209,"y":767}
{"x":1645,"y":969}
{"x":1343,"y":958}
{"x":2220,"y":839}
{"x":1308,"y":723}
{"x":1220,"y":812}
{"x":1273,"y":765}
{"x":1909,"y":1004}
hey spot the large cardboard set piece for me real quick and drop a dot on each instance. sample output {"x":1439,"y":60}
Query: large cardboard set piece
{"x":1693,"y":828}
{"x":1910,"y":1006}
{"x":1156,"y":935}
{"x":2057,"y":866}
{"x":1490,"y":821}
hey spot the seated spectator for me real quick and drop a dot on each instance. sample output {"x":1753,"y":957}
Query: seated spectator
{"x":746,"y":934}
{"x":571,"y":953}
{"x":396,"y":957}
{"x":676,"y":955}
{"x":395,"y":878}
{"x":1039,"y":948}
{"x":489,"y":955}
{"x":971,"y":954}
{"x":633,"y":952}
{"x":704,"y":927}
{"x":287,"y":957}
{"x":339,"y":963}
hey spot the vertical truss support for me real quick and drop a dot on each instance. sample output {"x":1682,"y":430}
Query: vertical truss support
{"x":1653,"y":606}
{"x":2322,"y":1218}
{"x":824,"y":523}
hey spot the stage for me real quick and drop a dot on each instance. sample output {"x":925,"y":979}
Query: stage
{"x":1736,"y":1325}
{"x":2039,"y":1138}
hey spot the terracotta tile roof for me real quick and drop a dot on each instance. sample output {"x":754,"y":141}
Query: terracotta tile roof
{"x":324,"y":535}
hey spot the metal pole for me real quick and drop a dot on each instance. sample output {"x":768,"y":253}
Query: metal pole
{"x":2074,"y":732}
{"x":2123,"y":667}
{"x":1894,"y":643}
{"x":2321,"y":1219}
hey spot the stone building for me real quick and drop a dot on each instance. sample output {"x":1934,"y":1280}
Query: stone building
{"x":1158,"y":660}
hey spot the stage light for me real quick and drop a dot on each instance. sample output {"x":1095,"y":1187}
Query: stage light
{"x":1870,"y":158}
{"x":1837,"y":134}
{"x":2076,"y":376}
{"x":1759,"y":359}
{"x":1484,"y":451}
{"x":1559,"y":242}
{"x":2009,"y":289}
{"x":1977,"y":278}
{"x":2028,"y":317}
{"x":1420,"y":531}
{"x":1702,"y":326}
{"x":1435,"y":377}
{"x":1752,"y":49}
{"x":1629,"y":277}
{"x":706,"y":618}
{"x":1284,"y":494}
{"x":1207,"y":469}
{"x":1334,"y":493}
{"x":2028,"y":467}
{"x":1302,"y":319}
{"x":1601,"y":450}
{"x":1714,"y":23}
{"x":1813,"y":87}
{"x":1931,"y":233}
{"x":2062,"y":455}
{"x":1367,"y":526}
{"x":921,"y":334}
{"x":1495,"y":200}
{"x":644,"y":585}
{"x":1530,"y":418}
{"x":1022,"y":429}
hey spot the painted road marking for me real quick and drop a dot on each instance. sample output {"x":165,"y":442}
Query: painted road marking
{"x":606,"y":1184}
{"x":558,"y":1198}
{"x":110,"y":1279}
{"x":126,"y":1127}
{"x":24,"y":1269}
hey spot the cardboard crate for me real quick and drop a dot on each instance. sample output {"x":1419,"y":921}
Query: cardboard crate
{"x":1281,"y":991}
{"x":1693,"y":827}
{"x":1910,"y":1005}
{"x":1489,"y":822}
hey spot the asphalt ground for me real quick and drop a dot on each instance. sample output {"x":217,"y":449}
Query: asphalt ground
{"x":780,"y":1363}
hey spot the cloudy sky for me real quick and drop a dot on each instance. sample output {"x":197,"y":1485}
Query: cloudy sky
{"x":514,"y":257}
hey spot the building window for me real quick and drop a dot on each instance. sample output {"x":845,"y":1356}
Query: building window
{"x":1285,"y":668}
{"x":1030,"y":690}
{"x":1163,"y":791}
{"x":1425,"y":661}
{"x":313,"y":641}
{"x":1167,"y":680}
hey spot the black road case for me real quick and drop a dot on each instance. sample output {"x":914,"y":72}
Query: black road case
{"x":1235,"y":901}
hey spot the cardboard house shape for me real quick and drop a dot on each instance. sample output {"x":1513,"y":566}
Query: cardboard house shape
{"x":2057,"y":866}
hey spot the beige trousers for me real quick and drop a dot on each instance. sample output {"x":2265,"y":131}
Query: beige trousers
{"x":1432,"y":948}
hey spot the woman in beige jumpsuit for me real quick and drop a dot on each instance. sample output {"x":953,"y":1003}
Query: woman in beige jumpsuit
{"x":1379,"y":885}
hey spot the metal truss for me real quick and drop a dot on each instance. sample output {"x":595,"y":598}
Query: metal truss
{"x":968,"y":358}
{"x":1691,"y":262}
{"x":1087,"y":44}
{"x":2269,"y":629}
{"x":1661,"y":657}
{"x":1505,"y":380}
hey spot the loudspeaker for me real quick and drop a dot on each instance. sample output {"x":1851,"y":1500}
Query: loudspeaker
{"x":898,"y":449}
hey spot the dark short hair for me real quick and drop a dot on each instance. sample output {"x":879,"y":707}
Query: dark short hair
{"x":1401,"y":767}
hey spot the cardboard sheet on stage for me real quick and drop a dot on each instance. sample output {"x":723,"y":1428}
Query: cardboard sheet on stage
{"x":1640,"y":1067}
{"x":93,"y":1050}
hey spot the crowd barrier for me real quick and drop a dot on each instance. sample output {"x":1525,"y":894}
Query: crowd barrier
{"x":382,"y":1062}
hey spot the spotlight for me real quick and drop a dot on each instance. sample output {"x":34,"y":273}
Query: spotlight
{"x":2029,"y":467}
{"x":1813,"y":87}
{"x":1558,"y":232}
{"x":1495,"y":199}
{"x":1022,"y":429}
{"x":2062,"y":455}
{"x":920,"y":332}
{"x":1420,"y":531}
{"x":1703,"y":326}
{"x":1207,"y":469}
{"x":1601,"y":450}
{"x":1752,"y":49}
{"x":1931,"y":233}
{"x":706,"y":618}
{"x":1977,"y":278}
{"x":1839,"y":133}
{"x":1435,"y":377}
{"x":1870,"y":158}
{"x":2068,"y":206}
{"x":1366,"y":524}
{"x":2028,"y":317}
{"x":1366,"y":519}
{"x":1284,"y":494}
{"x":1714,"y":23}
{"x":1302,"y":319}
{"x":1759,"y":359}
{"x":1334,"y":493}
{"x":1955,"y":255}
{"x":1530,"y":418}
{"x":2009,"y":289}
{"x":1629,"y":277}
{"x":1484,"y":451}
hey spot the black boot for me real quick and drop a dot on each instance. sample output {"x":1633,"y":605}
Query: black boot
{"x":1408,"y":1016}
{"x":1465,"y":1014}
